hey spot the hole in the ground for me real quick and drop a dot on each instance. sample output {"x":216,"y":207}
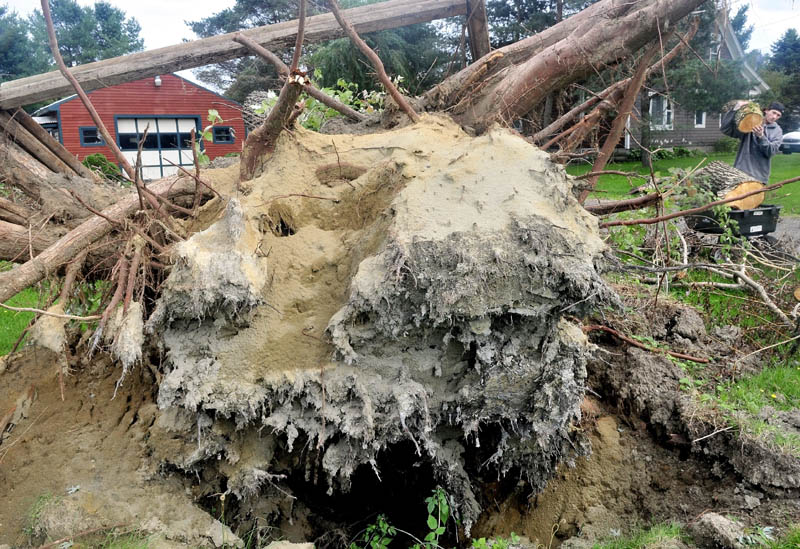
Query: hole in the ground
{"x":405,"y":481}
{"x":333,"y":175}
{"x":278,"y":220}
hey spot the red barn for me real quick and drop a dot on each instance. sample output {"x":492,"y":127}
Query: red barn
{"x":170,"y":105}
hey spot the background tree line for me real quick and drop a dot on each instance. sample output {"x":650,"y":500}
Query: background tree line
{"x":85,"y":34}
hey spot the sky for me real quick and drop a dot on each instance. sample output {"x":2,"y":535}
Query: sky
{"x":162,"y":21}
{"x":770,"y":19}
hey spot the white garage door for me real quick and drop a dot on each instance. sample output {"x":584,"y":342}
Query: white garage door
{"x":167,"y":146}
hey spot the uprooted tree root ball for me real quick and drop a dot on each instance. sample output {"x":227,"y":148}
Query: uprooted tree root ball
{"x":418,"y":306}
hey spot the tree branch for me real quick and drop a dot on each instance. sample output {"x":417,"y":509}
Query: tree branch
{"x":284,"y":71}
{"x":631,"y":92}
{"x":375,"y":60}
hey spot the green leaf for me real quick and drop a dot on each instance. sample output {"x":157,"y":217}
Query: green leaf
{"x":213,"y":115}
{"x":430,"y":537}
{"x":440,"y":530}
{"x":431,"y":504}
{"x":432,"y":522}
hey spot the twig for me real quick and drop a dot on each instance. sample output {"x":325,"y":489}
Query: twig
{"x":626,"y":339}
{"x":301,"y":195}
{"x":610,"y":172}
{"x":784,"y":342}
{"x":196,"y":161}
{"x":374,"y":59}
{"x":138,"y":169}
{"x":47,"y":313}
{"x":196,"y":178}
{"x":712,"y":434}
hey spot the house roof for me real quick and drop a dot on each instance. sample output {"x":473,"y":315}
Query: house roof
{"x":54,"y":106}
{"x":737,"y":53}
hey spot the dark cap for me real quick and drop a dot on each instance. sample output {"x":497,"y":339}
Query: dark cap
{"x":775,"y":106}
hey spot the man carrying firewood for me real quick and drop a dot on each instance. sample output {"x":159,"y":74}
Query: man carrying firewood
{"x":756,"y":147}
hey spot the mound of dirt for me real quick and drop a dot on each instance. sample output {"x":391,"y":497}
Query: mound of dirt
{"x":397,"y":290}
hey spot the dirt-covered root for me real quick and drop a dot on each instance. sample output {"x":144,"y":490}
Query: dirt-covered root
{"x":396,"y":292}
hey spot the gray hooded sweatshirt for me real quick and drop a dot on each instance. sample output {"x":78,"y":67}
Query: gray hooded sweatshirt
{"x":755,"y":153}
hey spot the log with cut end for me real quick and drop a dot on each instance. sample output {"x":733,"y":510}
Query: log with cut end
{"x":725,"y":181}
{"x":749,"y":117}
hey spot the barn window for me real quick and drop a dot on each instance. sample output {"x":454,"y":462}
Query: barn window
{"x":90,"y":137}
{"x":224,"y":134}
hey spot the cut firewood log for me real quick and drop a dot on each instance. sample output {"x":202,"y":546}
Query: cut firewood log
{"x":724,"y":181}
{"x":748,"y":116}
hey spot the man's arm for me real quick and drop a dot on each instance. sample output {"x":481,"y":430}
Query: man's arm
{"x":770,"y":142}
{"x":728,"y":126}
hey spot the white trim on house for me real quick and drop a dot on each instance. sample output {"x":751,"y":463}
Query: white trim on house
{"x":702,"y":119}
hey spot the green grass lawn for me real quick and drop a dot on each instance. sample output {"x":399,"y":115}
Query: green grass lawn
{"x":784,"y":166}
{"x":12,"y":323}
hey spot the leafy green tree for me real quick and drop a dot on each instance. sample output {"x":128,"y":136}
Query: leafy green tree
{"x":85,"y":34}
{"x":741,"y":29}
{"x":783,"y":75}
{"x":239,"y":77}
{"x":15,"y":47}
{"x":513,"y":20}
{"x":696,"y":88}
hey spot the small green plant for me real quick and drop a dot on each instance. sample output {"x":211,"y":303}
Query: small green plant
{"x":98,"y":163}
{"x":682,"y":152}
{"x":376,"y":536}
{"x":128,"y":540}
{"x":790,"y":541}
{"x":208,"y":135}
{"x":438,"y":515}
{"x":495,"y":543}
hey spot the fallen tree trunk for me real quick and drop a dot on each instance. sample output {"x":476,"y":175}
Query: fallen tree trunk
{"x":609,"y":32}
{"x":197,"y":53}
{"x":724,"y":181}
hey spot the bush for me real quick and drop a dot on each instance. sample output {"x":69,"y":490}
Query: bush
{"x":682,"y":152}
{"x":726,"y":145}
{"x":635,"y":155}
{"x":100,"y":164}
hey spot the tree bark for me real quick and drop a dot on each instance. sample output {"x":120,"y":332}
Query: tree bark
{"x":725,"y":181}
{"x":603,"y":34}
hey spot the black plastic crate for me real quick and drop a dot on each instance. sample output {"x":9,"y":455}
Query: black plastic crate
{"x":754,"y":222}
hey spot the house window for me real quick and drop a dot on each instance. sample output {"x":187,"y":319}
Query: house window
{"x":224,"y":134}
{"x":90,"y":137}
{"x":699,"y":119}
{"x":660,"y":113}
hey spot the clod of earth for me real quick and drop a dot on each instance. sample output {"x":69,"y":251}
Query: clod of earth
{"x":416,"y":300}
